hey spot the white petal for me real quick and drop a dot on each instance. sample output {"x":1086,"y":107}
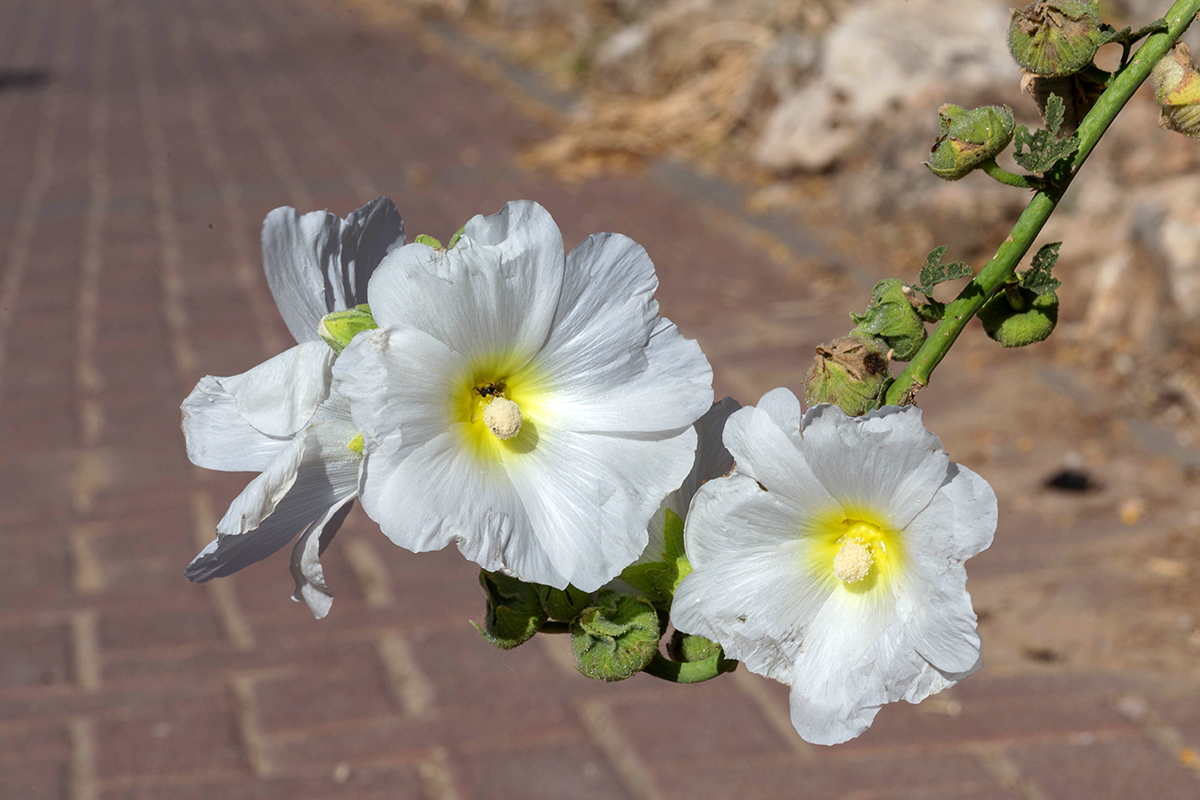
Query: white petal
{"x":280,"y":395}
{"x":613,"y":363}
{"x":437,"y":494}
{"x":767,"y":453}
{"x":733,"y":514}
{"x":756,"y":604}
{"x":960,"y":520}
{"x":219,"y":437}
{"x":317,"y":472}
{"x":853,"y":660}
{"x":306,"y":559}
{"x":783,"y":407}
{"x":317,"y":263}
{"x":886,"y":461}
{"x":492,"y":296}
{"x":589,"y":498}
{"x":399,"y":383}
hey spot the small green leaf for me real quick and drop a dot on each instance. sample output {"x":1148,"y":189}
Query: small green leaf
{"x":1037,"y":278}
{"x":935,"y":272}
{"x":1041,"y":151}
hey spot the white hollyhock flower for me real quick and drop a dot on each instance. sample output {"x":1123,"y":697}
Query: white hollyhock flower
{"x":832,"y":560}
{"x":531,"y":409}
{"x":283,"y":418}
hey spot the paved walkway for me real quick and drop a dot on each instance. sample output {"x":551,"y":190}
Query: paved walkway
{"x":141,"y":144}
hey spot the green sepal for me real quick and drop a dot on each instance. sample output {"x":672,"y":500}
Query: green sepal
{"x":968,"y":139}
{"x":658,"y":580}
{"x":563,"y":604}
{"x":428,"y":241}
{"x":454,"y":239}
{"x":339,"y":327}
{"x":892,"y":318}
{"x":514,"y":610}
{"x":615,"y":638}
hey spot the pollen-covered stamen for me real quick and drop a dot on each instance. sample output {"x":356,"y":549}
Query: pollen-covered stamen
{"x":853,"y":561}
{"x":503,"y":417}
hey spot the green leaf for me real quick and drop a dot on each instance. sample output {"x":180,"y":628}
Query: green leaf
{"x":1037,"y":278}
{"x":935,"y":272}
{"x":1042,"y":151}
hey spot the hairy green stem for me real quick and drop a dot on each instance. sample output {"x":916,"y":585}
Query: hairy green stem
{"x":1004,"y":264}
{"x":999,"y":173}
{"x":689,"y":671}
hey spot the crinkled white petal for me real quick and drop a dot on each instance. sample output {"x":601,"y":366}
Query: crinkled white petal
{"x":886,"y":460}
{"x":318,"y":263}
{"x":960,"y":520}
{"x":306,"y":559}
{"x":280,"y":395}
{"x":767,"y":454}
{"x":783,"y":407}
{"x":398,"y":383}
{"x":316,"y":472}
{"x":219,"y":437}
{"x":758,"y":604}
{"x":729,"y":515}
{"x":590,"y":497}
{"x":616,"y":365}
{"x":498,"y":287}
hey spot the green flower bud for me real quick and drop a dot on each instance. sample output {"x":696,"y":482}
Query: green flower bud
{"x":563,"y":604}
{"x":616,"y":637}
{"x":1016,"y":317}
{"x":338,"y":328}
{"x":689,"y":648}
{"x":892,"y":318}
{"x":1177,"y":90}
{"x":1055,"y":37}
{"x":514,"y":610}
{"x":968,"y":139}
{"x":851,"y":372}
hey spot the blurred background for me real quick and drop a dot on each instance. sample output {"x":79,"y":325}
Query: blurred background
{"x":768,"y":155}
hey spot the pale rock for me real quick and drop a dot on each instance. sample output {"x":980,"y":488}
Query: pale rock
{"x":882,"y":59}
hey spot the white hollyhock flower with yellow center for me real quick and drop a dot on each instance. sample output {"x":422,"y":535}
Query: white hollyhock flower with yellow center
{"x":531,"y":408}
{"x":832,"y":560}
{"x":283,"y":418}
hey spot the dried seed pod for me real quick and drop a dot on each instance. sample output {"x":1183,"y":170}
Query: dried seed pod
{"x":1059,"y":37}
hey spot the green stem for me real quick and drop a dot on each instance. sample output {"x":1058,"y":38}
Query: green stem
{"x":689,"y":672}
{"x":999,"y":173}
{"x":1004,"y":264}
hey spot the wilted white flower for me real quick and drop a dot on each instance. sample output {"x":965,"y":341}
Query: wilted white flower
{"x":531,"y":409}
{"x":283,"y":419}
{"x":832,"y":560}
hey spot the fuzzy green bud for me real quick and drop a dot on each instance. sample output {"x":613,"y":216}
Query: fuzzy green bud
{"x":615,"y":638}
{"x":563,"y":604}
{"x":1016,"y":317}
{"x":1177,"y":89}
{"x":1055,"y":37}
{"x":338,"y":328}
{"x":968,"y":139}
{"x":690,"y":648}
{"x":852,"y":373}
{"x":892,"y":318}
{"x":514,"y":610}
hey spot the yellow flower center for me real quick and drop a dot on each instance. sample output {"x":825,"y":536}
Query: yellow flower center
{"x":497,"y":406}
{"x":857,"y":549}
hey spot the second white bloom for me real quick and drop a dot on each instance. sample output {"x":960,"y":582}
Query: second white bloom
{"x":531,"y":408}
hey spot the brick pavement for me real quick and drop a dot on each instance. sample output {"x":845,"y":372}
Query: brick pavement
{"x":134,"y":181}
